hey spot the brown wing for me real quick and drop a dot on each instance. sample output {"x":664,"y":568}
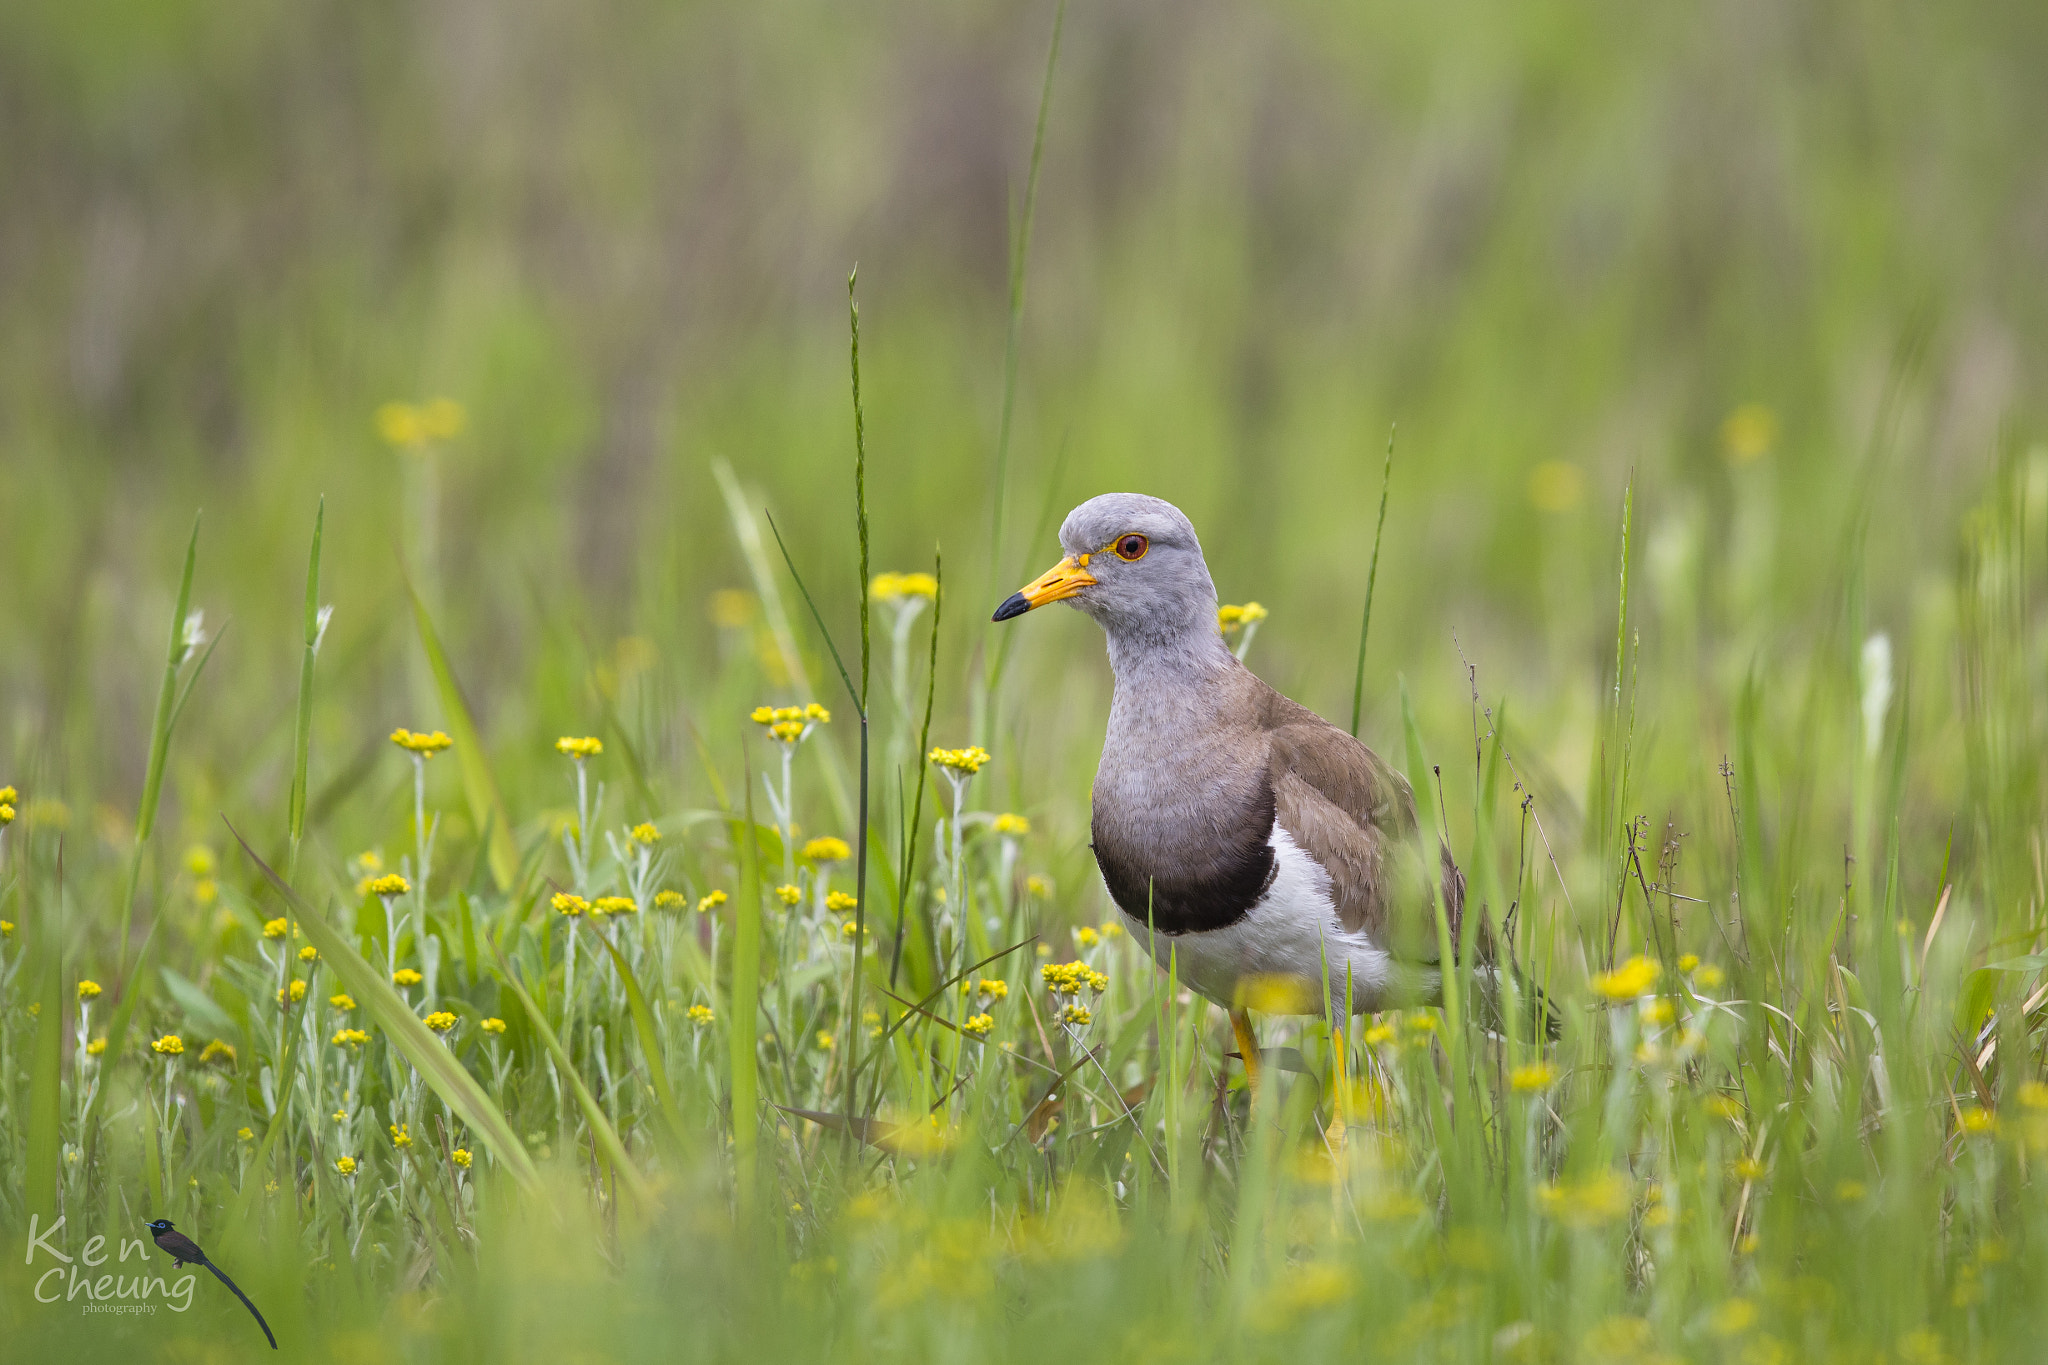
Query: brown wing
{"x":1353,"y":813}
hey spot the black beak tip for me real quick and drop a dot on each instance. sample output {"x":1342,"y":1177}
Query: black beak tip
{"x":1013,"y":605}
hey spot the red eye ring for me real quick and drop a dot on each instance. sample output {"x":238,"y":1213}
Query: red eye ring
{"x":1130,"y":547}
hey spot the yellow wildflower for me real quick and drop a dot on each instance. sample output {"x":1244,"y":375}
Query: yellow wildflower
{"x":1229,"y":618}
{"x":1532,"y":1077}
{"x":1749,"y":1168}
{"x":1628,"y":981}
{"x":788,"y":895}
{"x":401,"y":1135}
{"x":369,"y":862}
{"x":668,"y":900}
{"x":6,"y":813}
{"x":346,"y":1166}
{"x":406,"y":976}
{"x":441,"y":418}
{"x":825,"y":1040}
{"x":710,"y":901}
{"x":645,"y":833}
{"x":1732,"y":1318}
{"x":96,"y":1047}
{"x":275,"y":928}
{"x":826,"y":849}
{"x":421,"y":743}
{"x":460,"y":1156}
{"x":492,"y":1025}
{"x":217,"y":1049}
{"x":6,"y":928}
{"x":2033,"y":1095}
{"x":1658,"y":1012}
{"x":1687,"y":962}
{"x":700,"y":1014}
{"x":614,"y":905}
{"x":340,"y":1116}
{"x":786,"y":731}
{"x":1708,"y":977}
{"x":979,"y":1025}
{"x":388,"y":885}
{"x":309,"y":953}
{"x":1979,"y":1121}
{"x":298,"y":993}
{"x":992,"y":989}
{"x":88,"y":990}
{"x":342,"y":1001}
{"x":1724,"y":1106}
{"x":199,"y":861}
{"x":1086,"y":937}
{"x":206,"y":891}
{"x":1748,"y":433}
{"x":170,"y":1045}
{"x":1849,"y":1191}
{"x":839,"y":902}
{"x":890,"y":587}
{"x":968,"y":760}
{"x":8,"y":796}
{"x":1076,"y":1015}
{"x":1035,"y":885}
{"x":850,"y":927}
{"x":440,"y":1021}
{"x":1110,"y":929}
{"x":762,"y":715}
{"x":245,"y":1134}
{"x":588,"y":746}
{"x":568,"y":903}
{"x":1008,"y":823}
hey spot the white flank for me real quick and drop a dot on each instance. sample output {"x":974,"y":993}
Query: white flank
{"x":1290,"y":932}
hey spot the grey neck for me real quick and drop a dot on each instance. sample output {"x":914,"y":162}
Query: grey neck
{"x":1184,"y":659}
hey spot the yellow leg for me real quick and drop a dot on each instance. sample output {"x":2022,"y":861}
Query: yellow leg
{"x":1247,"y":1045}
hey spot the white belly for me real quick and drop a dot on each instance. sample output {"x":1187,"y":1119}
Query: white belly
{"x":1288,"y":945}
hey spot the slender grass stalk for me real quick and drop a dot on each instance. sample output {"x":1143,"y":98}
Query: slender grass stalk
{"x":1372,"y":578}
{"x":302,"y":727}
{"x":741,"y":1026}
{"x":46,"y":1065}
{"x":924,"y":740}
{"x":159,"y":743}
{"x":854,"y":1017}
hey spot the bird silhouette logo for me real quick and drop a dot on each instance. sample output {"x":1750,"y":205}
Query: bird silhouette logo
{"x":184,"y":1251}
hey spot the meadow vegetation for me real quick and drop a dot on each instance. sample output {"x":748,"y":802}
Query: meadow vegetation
{"x":508,"y":898}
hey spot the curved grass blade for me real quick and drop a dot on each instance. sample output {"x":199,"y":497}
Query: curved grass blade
{"x":479,"y":788}
{"x":159,"y":741}
{"x":600,"y":1127}
{"x":435,"y":1064}
{"x":302,"y":727}
{"x":650,"y":1041}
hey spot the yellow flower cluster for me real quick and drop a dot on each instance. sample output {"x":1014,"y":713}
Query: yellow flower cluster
{"x":298,"y":993}
{"x":1007,"y":823}
{"x":1629,"y":980}
{"x":710,"y":901}
{"x":850,"y":928}
{"x":1036,"y":885}
{"x":892,"y":587}
{"x":440,"y":1021}
{"x":1067,"y":978}
{"x":587,"y":746}
{"x":401,"y":1136}
{"x":390,"y":884}
{"x":1087,"y":937}
{"x":309,"y":954}
{"x":170,"y":1045}
{"x":6,"y":928}
{"x":415,"y":424}
{"x":426,"y":745}
{"x":992,"y":989}
{"x":827,"y":849}
{"x":646,"y":833}
{"x":342,"y":1001}
{"x":245,"y":1133}
{"x":838,"y":902}
{"x":788,"y":724}
{"x":493,"y":1025}
{"x":460,"y":1156}
{"x":788,"y":894}
{"x":275,"y":928}
{"x":968,"y":760}
{"x":613,"y":905}
{"x":406,"y":976}
{"x":346,"y":1166}
{"x":700,"y":1014}
{"x":217,"y":1050}
{"x":96,"y":1047}
{"x":1230,"y":618}
{"x":1076,"y":1015}
{"x":1531,"y":1077}
{"x":979,"y":1025}
{"x":568,"y":903}
{"x":668,"y":900}
{"x":8,"y":796}
{"x":88,"y":990}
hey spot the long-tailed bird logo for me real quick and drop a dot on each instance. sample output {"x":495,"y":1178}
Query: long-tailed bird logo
{"x":184,"y":1251}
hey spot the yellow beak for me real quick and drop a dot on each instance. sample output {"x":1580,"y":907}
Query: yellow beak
{"x":1061,"y":581}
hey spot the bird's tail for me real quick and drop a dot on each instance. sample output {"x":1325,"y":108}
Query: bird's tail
{"x":236,"y":1289}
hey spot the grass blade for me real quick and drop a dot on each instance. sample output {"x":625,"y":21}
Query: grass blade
{"x":1372,"y":578}
{"x":741,"y":1024}
{"x":600,"y":1127}
{"x":46,"y":1072}
{"x":436,"y":1065}
{"x":479,"y":787}
{"x":650,"y":1042}
{"x":302,"y":728}
{"x":159,"y":740}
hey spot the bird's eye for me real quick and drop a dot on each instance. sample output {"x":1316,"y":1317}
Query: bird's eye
{"x":1131,"y":547}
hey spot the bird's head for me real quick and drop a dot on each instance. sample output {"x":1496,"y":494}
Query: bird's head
{"x":158,"y":1226}
{"x":1133,"y":563}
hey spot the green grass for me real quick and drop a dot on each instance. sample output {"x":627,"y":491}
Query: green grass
{"x":1753,"y":713}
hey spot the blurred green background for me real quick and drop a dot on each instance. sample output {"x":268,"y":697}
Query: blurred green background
{"x":1556,"y":241}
